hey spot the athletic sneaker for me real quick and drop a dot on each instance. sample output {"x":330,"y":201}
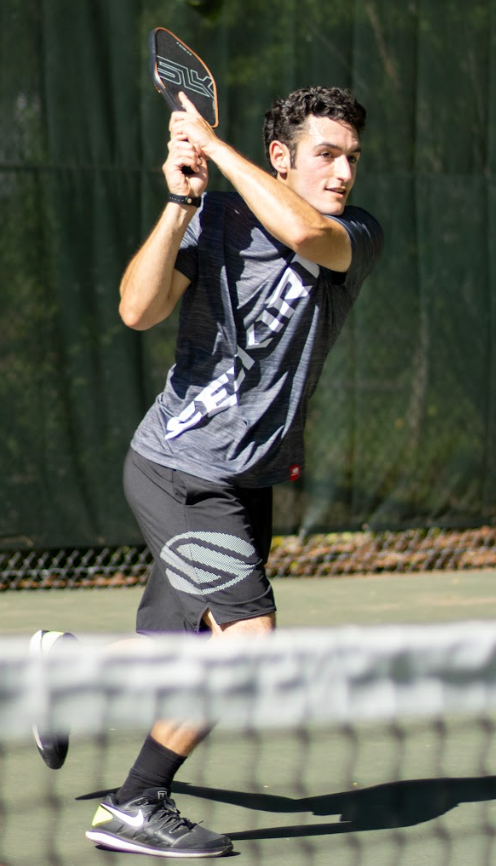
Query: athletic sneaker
{"x":151,"y":824}
{"x":52,"y":747}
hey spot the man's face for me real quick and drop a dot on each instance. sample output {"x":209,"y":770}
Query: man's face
{"x":327,"y":154}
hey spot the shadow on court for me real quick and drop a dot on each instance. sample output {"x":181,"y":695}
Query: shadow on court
{"x":381,"y":807}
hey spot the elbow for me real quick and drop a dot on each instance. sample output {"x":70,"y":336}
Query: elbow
{"x":130,"y":310}
{"x":304,"y":238}
{"x":140,"y":319}
{"x":131,"y":317}
{"x":300,"y":245}
{"x":316,"y":244}
{"x":303,"y":245}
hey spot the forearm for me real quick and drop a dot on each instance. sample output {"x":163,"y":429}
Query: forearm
{"x":284,"y":214}
{"x":147,"y":288}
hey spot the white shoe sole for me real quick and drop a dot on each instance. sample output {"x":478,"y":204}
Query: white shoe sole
{"x":117,"y":844}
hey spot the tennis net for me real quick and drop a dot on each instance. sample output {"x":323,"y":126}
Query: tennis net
{"x":349,"y":746}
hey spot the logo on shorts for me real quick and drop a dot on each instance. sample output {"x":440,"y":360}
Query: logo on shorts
{"x":294,"y":472}
{"x":200,"y":563}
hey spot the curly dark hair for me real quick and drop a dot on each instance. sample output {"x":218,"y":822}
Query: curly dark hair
{"x":286,"y":117}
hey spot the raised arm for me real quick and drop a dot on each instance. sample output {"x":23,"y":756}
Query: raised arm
{"x":286,"y":214}
{"x":151,"y":287}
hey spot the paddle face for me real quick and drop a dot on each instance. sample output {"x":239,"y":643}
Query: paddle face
{"x":175,"y":67}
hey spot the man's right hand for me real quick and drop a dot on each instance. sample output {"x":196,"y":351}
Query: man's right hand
{"x":183,"y":153}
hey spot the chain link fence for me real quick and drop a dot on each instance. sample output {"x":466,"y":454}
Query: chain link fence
{"x":334,"y":554}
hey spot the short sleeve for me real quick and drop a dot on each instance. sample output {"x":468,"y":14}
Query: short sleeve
{"x":367,"y":241}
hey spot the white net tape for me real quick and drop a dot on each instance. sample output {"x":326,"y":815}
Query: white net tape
{"x":289,"y":679}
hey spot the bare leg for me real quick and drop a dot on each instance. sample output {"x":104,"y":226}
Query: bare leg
{"x":183,"y":738}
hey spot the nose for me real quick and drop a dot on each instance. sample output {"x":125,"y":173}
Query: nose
{"x":343,"y":169}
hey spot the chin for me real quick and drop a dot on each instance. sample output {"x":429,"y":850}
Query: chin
{"x":335,"y":209}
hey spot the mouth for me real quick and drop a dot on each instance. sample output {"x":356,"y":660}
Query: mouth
{"x":339,"y":191}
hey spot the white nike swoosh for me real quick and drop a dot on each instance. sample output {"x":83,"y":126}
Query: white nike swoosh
{"x":131,"y":820}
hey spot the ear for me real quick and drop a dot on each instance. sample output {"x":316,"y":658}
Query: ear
{"x":280,"y":158}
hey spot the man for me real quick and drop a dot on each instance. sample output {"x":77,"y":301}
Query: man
{"x":266,"y":276}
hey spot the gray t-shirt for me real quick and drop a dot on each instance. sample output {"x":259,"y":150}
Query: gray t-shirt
{"x":255,"y":327}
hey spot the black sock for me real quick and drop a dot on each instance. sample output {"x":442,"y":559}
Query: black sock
{"x":155,"y":767}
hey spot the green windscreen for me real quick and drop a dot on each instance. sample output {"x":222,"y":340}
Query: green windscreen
{"x":401,"y":431}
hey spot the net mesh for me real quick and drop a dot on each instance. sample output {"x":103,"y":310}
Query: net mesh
{"x":354,"y":745}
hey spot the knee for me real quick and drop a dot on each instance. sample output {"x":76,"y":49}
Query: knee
{"x":257,"y":625}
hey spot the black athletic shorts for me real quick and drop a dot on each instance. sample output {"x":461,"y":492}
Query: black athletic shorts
{"x":209,"y":546}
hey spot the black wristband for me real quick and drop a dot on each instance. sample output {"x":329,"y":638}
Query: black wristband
{"x":194,"y":200}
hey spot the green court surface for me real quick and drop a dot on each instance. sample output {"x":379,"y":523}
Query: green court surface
{"x":366,"y":796}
